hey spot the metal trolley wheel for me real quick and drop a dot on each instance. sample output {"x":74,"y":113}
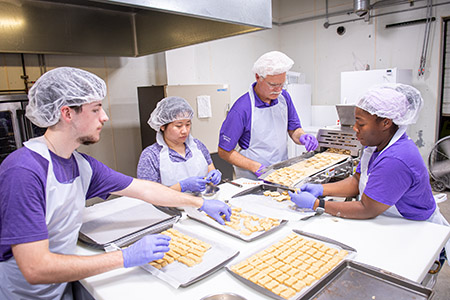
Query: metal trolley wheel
{"x":439,"y":164}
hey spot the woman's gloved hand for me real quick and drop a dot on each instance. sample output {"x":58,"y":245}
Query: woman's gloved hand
{"x":193,"y":184}
{"x":303,"y":199}
{"x":260,"y":171}
{"x":149,"y":248}
{"x":216,"y":209}
{"x":309,"y":141}
{"x":214,"y":176}
{"x":315,"y":189}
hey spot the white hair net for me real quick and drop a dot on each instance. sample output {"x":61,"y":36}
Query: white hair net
{"x":168,"y":110}
{"x":399,"y":102}
{"x":60,"y":87}
{"x":272,"y":63}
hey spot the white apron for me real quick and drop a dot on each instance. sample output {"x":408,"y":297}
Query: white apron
{"x":173,"y":172}
{"x":64,"y":216}
{"x":268,"y":135}
{"x":392,"y":211}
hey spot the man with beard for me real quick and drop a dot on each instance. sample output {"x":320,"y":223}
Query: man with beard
{"x":44,"y":185}
{"x":261,"y":119}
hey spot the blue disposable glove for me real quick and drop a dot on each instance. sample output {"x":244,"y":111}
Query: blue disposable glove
{"x":214,"y":177}
{"x":216,"y":209}
{"x":260,"y":171}
{"x":303,"y":199}
{"x":309,"y":141}
{"x":149,"y":248}
{"x":315,"y":189}
{"x":193,"y":184}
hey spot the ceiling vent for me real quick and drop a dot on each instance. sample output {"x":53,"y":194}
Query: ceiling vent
{"x":124,"y":27}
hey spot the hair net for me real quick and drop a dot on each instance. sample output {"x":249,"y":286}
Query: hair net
{"x":168,"y":110}
{"x":399,"y":102}
{"x":60,"y":87}
{"x":272,"y":63}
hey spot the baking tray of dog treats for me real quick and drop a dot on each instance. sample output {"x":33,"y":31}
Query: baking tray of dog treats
{"x":291,"y":172}
{"x":191,"y":257}
{"x":290,"y":267}
{"x":242,"y":225}
{"x":354,"y":280}
{"x":270,"y":200}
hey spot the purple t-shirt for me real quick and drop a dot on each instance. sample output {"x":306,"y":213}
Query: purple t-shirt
{"x":149,"y":162}
{"x":237,"y":126}
{"x":399,"y":177}
{"x":23,"y":179}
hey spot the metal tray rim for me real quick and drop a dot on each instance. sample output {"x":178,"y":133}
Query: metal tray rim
{"x":374,"y":272}
{"x":271,"y":230}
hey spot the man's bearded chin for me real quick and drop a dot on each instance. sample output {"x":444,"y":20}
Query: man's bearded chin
{"x":87,"y":140}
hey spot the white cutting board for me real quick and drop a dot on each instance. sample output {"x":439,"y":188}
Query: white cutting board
{"x":409,"y":248}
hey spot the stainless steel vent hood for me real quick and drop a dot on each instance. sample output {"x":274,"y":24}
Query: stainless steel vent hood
{"x":124,"y":27}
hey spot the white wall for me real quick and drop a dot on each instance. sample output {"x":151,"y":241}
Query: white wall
{"x":228,"y":61}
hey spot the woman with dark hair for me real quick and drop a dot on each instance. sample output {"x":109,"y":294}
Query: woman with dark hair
{"x":176,"y":159}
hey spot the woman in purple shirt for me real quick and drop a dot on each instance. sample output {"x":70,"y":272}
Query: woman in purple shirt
{"x":176,"y":159}
{"x":392,"y":178}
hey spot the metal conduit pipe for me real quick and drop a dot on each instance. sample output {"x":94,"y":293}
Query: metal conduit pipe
{"x":378,"y":4}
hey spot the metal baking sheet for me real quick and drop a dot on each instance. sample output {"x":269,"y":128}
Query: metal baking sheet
{"x":122,"y":221}
{"x":298,"y":163}
{"x":353,"y":280}
{"x":253,"y":200}
{"x":178,"y":275}
{"x":299,"y":295}
{"x":203,"y":218}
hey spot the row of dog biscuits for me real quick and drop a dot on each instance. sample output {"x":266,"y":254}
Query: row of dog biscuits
{"x":277,"y":196}
{"x":183,"y":248}
{"x":288,"y":266}
{"x":247,"y":224}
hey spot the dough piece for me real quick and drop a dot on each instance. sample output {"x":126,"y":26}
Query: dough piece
{"x":293,"y":272}
{"x":318,"y":263}
{"x":309,"y":279}
{"x":318,"y":255}
{"x":332,"y":251}
{"x":188,"y":262}
{"x":275,"y":194}
{"x":264,"y":280}
{"x":288,"y":293}
{"x":195,"y":258}
{"x":300,"y":275}
{"x":299,"y":285}
{"x":312,"y":270}
{"x":342,"y":253}
{"x":279,"y":289}
{"x":271,"y":284}
{"x":275,"y":274}
{"x":319,"y":274}
{"x":282,"y":278}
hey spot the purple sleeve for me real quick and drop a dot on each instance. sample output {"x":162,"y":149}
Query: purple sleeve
{"x":23,"y":176}
{"x":388,"y":181}
{"x":149,"y":164}
{"x":236,"y":127}
{"x":105,"y":180}
{"x":293,"y":119}
{"x":204,"y":150}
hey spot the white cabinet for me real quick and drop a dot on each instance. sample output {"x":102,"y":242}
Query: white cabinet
{"x":356,"y":83}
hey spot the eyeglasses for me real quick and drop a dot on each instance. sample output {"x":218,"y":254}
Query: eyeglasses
{"x":273,"y":86}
